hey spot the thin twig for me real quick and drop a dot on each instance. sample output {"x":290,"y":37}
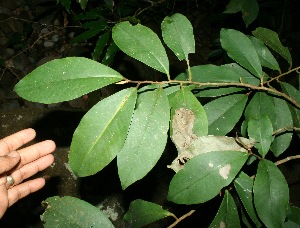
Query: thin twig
{"x":181,"y":218}
{"x":281,"y":75}
{"x":220,"y":84}
{"x":287,"y":159}
{"x":286,"y":129}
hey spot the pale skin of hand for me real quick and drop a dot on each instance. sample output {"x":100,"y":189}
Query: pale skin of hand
{"x":22,"y":164}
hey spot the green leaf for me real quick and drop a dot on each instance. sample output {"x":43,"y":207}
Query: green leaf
{"x":110,"y":54}
{"x":146,"y":138}
{"x":271,"y":194}
{"x":193,"y":184}
{"x":85,"y":35}
{"x":240,"y":48}
{"x":224,"y":112}
{"x":72,"y":212}
{"x":184,"y":101}
{"x":92,"y":14}
{"x":244,"y":187}
{"x":142,"y":44}
{"x":234,"y":6}
{"x":141,"y":213}
{"x":169,"y":88}
{"x":227,"y":215}
{"x":65,"y":79}
{"x":177,"y":32}
{"x":265,"y":56}
{"x":260,"y":128}
{"x":101,"y":133}
{"x":66,"y":4}
{"x":244,"y":75}
{"x":294,"y":214}
{"x":82,"y":3}
{"x":100,"y":45}
{"x":271,"y":39}
{"x":99,"y":24}
{"x":283,"y":118}
{"x":261,"y":104}
{"x":250,"y":10}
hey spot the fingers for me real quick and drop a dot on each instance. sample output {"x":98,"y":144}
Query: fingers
{"x":24,"y":189}
{"x":36,"y":151}
{"x":16,"y":140}
{"x":9,"y":161}
{"x":31,"y":169}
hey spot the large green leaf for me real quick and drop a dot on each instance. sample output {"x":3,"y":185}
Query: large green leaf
{"x":204,"y":176}
{"x":240,"y":48}
{"x":72,"y":212}
{"x":271,"y":39}
{"x":271,"y":194}
{"x":141,"y":213}
{"x":295,"y":94}
{"x":283,"y":118}
{"x":101,"y":133}
{"x":146,"y":138}
{"x":224,"y":112}
{"x":261,"y":104}
{"x":187,"y":114}
{"x":265,"y":56}
{"x":65,"y":79}
{"x":142,"y":44}
{"x":244,"y":187}
{"x":227,"y":215}
{"x":260,"y":128}
{"x":177,"y":32}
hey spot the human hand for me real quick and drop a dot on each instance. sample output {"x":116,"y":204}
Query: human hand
{"x":22,"y":164}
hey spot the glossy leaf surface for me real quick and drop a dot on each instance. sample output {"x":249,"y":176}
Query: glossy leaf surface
{"x":65,"y":79}
{"x":240,"y":48}
{"x":72,"y":212}
{"x":223,"y":113}
{"x":265,"y":56}
{"x":204,"y":176}
{"x":244,"y":187}
{"x":227,"y":215}
{"x":271,"y":194}
{"x":271,"y":39}
{"x":283,"y":119}
{"x":260,"y":128}
{"x":146,"y":138}
{"x":141,"y":213}
{"x":141,"y":43}
{"x":101,"y":133}
{"x":177,"y":32}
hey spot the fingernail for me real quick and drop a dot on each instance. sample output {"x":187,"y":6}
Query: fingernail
{"x":14,"y":154}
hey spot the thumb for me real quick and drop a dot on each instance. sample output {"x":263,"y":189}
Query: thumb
{"x":9,"y":161}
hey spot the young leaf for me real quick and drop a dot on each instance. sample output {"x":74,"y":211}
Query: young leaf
{"x":283,"y":119}
{"x":227,"y":215}
{"x":185,"y":101}
{"x":65,"y":79}
{"x":142,"y":44}
{"x":177,"y":32}
{"x":261,"y":104}
{"x":271,"y":194}
{"x":265,"y":56}
{"x":244,"y":187}
{"x":141,"y":213}
{"x":204,"y":176}
{"x":295,"y":94}
{"x":271,"y":39}
{"x":146,"y":138}
{"x":260,"y":128}
{"x":224,"y":112}
{"x":101,"y":133}
{"x":101,"y":43}
{"x":72,"y":212}
{"x":240,"y":49}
